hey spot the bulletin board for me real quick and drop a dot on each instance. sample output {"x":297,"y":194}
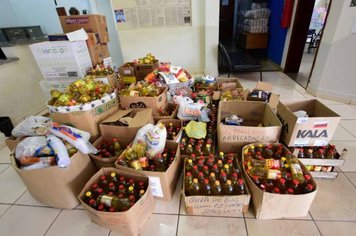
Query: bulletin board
{"x":135,"y":14}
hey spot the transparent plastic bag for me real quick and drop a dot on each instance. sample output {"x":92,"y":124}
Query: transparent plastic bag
{"x":32,"y":126}
{"x":28,"y":146}
{"x":154,"y":136}
{"x":189,"y":110}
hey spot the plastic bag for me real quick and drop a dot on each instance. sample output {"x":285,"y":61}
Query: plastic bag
{"x":32,"y":126}
{"x":188,"y":110}
{"x":60,"y":150}
{"x":196,"y":130}
{"x":70,"y":135}
{"x":154,"y":136}
{"x":28,"y":146}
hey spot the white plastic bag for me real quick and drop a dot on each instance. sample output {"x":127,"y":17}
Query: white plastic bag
{"x":189,"y":110}
{"x":60,"y":150}
{"x":32,"y":126}
{"x":72,"y":136}
{"x":28,"y":146}
{"x":154,"y":136}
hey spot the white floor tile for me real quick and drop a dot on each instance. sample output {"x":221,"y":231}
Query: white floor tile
{"x":212,"y":226}
{"x":286,"y":91}
{"x":251,"y":214}
{"x":350,"y":160}
{"x":281,"y":227}
{"x":349,"y":125}
{"x":342,"y":134}
{"x":24,"y":220}
{"x":11,"y":186}
{"x":332,"y":228}
{"x":171,"y":206}
{"x":161,"y":225}
{"x":27,"y":199}
{"x":345,"y":111}
{"x":3,"y":208}
{"x":335,"y":200}
{"x":5,"y":155}
{"x":3,"y":167}
{"x":75,"y":223}
{"x":273,"y":78}
{"x":351,"y":176}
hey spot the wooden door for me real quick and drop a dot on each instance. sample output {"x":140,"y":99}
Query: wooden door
{"x":226,"y":23}
{"x":300,"y":28}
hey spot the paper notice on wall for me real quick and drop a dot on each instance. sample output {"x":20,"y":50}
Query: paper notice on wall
{"x":156,"y":186}
{"x":152,"y":13}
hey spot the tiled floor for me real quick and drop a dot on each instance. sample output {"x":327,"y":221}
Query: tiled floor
{"x":333,"y":211}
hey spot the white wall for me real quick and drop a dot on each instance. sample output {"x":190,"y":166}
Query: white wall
{"x":20,"y":92}
{"x":193,"y":47}
{"x":7,"y":15}
{"x":333,"y":75}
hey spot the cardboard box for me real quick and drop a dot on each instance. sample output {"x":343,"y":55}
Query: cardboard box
{"x":105,"y":50}
{"x":108,"y":79}
{"x":87,"y":120}
{"x":176,"y":123}
{"x":140,"y":118}
{"x":96,"y":53}
{"x":223,"y":205}
{"x":107,"y":162}
{"x":274,"y":206}
{"x":90,"y":23}
{"x":228,"y":83}
{"x":315,"y":130}
{"x":144,"y":102}
{"x":127,"y":73}
{"x":12,"y":141}
{"x":142,"y":70}
{"x":130,"y":222}
{"x":62,"y":59}
{"x":163,"y":184}
{"x":93,"y":38}
{"x":169,"y":106}
{"x":232,"y":138}
{"x":263,"y":86}
{"x":252,"y":40}
{"x":58,"y":187}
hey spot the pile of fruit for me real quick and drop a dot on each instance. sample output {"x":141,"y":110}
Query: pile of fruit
{"x":79,"y":92}
{"x":141,"y":89}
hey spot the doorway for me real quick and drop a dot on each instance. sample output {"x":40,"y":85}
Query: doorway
{"x":309,"y":22}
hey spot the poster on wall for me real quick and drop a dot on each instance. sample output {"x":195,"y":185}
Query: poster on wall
{"x":131,"y":14}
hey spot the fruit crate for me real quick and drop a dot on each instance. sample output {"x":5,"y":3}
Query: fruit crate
{"x":335,"y":163}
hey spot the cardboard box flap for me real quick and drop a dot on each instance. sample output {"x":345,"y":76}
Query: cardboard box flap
{"x":264,"y":86}
{"x":249,"y":111}
{"x":115,"y":117}
{"x":312,"y":106}
{"x":269,"y":118}
{"x":273,"y":100}
{"x":141,"y":118}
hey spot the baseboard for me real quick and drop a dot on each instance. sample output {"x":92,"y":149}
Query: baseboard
{"x":332,"y":95}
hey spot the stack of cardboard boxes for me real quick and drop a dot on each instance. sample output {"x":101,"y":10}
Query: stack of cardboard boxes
{"x":98,"y":36}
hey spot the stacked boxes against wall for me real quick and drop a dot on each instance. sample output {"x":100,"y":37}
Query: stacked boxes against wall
{"x":98,"y":36}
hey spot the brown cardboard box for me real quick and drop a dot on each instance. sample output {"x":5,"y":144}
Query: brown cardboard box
{"x":107,"y":162}
{"x":140,"y":118}
{"x":93,"y":38}
{"x":108,"y":79}
{"x":144,"y":102}
{"x":273,"y":99}
{"x":227,"y":83}
{"x":163,"y":184}
{"x":130,"y":222}
{"x":12,"y":142}
{"x":127,"y":73}
{"x":224,"y":205}
{"x":171,"y":106}
{"x":87,"y":120}
{"x":90,"y":23}
{"x":252,"y":41}
{"x":57,"y":187}
{"x":315,"y":130}
{"x":142,"y":70}
{"x":274,"y":206}
{"x":176,"y":123}
{"x":96,"y":53}
{"x":232,"y":138}
{"x":105,"y":50}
